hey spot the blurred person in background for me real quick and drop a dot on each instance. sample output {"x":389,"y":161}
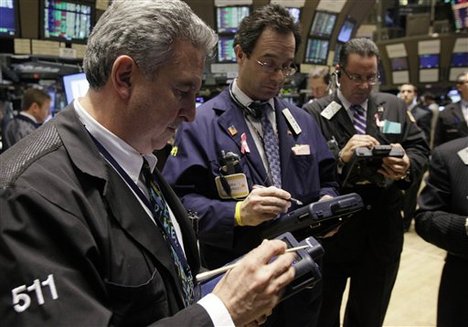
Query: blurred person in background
{"x":452,"y":122}
{"x":35,"y":108}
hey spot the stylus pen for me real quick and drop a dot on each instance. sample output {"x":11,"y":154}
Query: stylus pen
{"x":208,"y":274}
{"x":296,"y":201}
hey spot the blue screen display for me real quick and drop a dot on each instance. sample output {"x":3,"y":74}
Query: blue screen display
{"x":7,"y":18}
{"x":428,"y":61}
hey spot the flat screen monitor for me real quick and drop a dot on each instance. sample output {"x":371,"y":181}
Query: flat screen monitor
{"x":459,"y":59}
{"x":226,"y":49}
{"x":295,"y":13}
{"x":68,"y":20}
{"x":346,"y":31}
{"x":317,"y":51}
{"x":400,"y":63}
{"x":8,"y":18}
{"x":228,"y":18}
{"x":75,"y":85}
{"x":460,"y":13}
{"x":428,"y":61}
{"x":323,"y":24}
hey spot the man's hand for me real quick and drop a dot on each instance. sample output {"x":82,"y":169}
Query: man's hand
{"x":395,"y":168}
{"x":356,"y":141}
{"x":262,"y":204}
{"x":252,"y":289}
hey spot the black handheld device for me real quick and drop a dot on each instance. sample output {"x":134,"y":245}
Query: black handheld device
{"x":321,"y":217}
{"x":307,"y":271}
{"x":365,"y":163}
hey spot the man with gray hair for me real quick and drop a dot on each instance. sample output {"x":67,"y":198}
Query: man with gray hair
{"x":90,"y":234}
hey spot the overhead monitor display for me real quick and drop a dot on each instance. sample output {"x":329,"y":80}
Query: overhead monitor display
{"x":323,"y":24}
{"x":8,"y":18}
{"x":317,"y":51}
{"x":295,"y":13}
{"x":228,"y":18}
{"x":75,"y":85}
{"x":428,"y":61}
{"x":459,"y":59}
{"x":226,"y":49}
{"x":66,"y":20}
{"x":400,"y":63}
{"x":346,"y":31}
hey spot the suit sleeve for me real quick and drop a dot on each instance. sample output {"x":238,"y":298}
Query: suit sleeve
{"x":435,"y":222}
{"x":415,"y":145}
{"x":191,"y":173}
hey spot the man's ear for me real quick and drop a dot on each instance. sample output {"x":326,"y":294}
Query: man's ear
{"x":240,"y":55}
{"x":122,"y":75}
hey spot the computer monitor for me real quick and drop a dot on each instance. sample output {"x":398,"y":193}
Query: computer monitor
{"x":69,"y":20}
{"x":295,"y":13}
{"x":225,"y":49}
{"x":228,"y":18}
{"x":75,"y":86}
{"x":317,"y":51}
{"x":346,"y":30}
{"x":323,"y":24}
{"x":400,"y":63}
{"x":8,"y":18}
{"x":428,"y":61}
{"x":459,"y":59}
{"x":460,"y":13}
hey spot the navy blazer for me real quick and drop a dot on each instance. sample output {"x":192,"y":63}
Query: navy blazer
{"x":219,"y":126}
{"x":65,"y":212}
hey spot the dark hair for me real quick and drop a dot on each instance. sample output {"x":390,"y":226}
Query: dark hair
{"x":321,"y":73}
{"x":270,"y":16}
{"x":31,"y":96}
{"x":361,"y":46}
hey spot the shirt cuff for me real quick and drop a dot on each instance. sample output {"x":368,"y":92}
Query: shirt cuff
{"x":216,"y":310}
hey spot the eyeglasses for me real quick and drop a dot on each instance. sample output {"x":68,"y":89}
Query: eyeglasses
{"x":270,"y":67}
{"x":371,"y":80}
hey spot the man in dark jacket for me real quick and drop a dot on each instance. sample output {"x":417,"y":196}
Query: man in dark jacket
{"x":89,"y":236}
{"x":35,"y":108}
{"x":442,"y":219}
{"x":367,"y":248}
{"x":452,"y":122}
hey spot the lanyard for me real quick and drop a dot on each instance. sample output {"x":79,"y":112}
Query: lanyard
{"x":143,"y":198}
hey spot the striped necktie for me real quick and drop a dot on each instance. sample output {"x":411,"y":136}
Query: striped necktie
{"x":271,"y":146}
{"x":359,"y":118}
{"x":160,"y":212}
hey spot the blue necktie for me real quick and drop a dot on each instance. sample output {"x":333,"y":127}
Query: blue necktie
{"x":271,"y":146}
{"x":359,"y":118}
{"x":161,"y":213}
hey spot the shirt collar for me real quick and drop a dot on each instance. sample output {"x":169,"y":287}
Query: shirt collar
{"x":24,"y":113}
{"x":243,"y":98}
{"x":125,"y":155}
{"x":348,"y":104}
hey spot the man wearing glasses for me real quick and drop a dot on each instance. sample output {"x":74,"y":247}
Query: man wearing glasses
{"x":248,"y":152}
{"x":367,"y":248}
{"x":452,"y":122}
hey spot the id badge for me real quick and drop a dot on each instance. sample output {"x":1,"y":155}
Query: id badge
{"x":237,"y":183}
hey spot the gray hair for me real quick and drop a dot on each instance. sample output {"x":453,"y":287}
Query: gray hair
{"x":361,"y":46}
{"x":145,"y":30}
